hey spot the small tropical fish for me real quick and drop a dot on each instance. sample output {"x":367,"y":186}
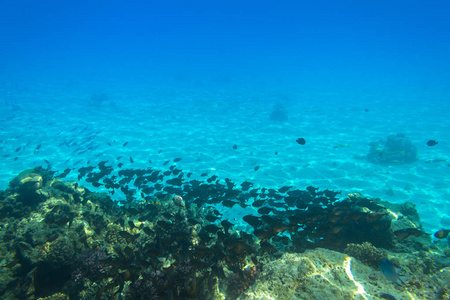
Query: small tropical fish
{"x":432,"y":143}
{"x":387,"y":296}
{"x":226,"y":224}
{"x":442,"y":234}
{"x":264,"y":210}
{"x":301,"y":141}
{"x":258,"y":203}
{"x":404,"y":233}
{"x":390,"y":272}
{"x":212,"y":228}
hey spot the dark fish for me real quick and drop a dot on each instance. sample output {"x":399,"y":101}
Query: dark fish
{"x":167,"y":215}
{"x":264,"y":210}
{"x":211,"y":218}
{"x":131,"y":160}
{"x":18,"y":149}
{"x":148,"y":231}
{"x":331,"y":194}
{"x":256,"y":168}
{"x":128,"y":236}
{"x":267,"y":247}
{"x":193,"y":221}
{"x":124,"y":144}
{"x":404,"y":233}
{"x":229,"y":203}
{"x":64,"y":174}
{"x":175,"y":181}
{"x":390,"y":272}
{"x":374,"y":216}
{"x":164,"y":224}
{"x":234,"y":147}
{"x":212,"y":228}
{"x":96,"y":184}
{"x":284,"y":189}
{"x":258,"y":203}
{"x":442,"y":234}
{"x":246,"y":185}
{"x":263,"y":233}
{"x":177,"y":159}
{"x":212,"y":178}
{"x":432,"y":143}
{"x":301,"y":141}
{"x":387,"y":296}
{"x":252,"y":220}
{"x":276,"y":152}
{"x":166,"y":162}
{"x":226,"y":224}
{"x":237,"y":245}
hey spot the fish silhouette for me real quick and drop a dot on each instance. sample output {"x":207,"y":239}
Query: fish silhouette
{"x":390,"y":272}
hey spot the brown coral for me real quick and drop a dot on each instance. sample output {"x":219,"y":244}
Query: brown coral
{"x":366,"y":253}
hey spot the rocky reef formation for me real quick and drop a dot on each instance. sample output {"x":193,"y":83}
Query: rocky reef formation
{"x":396,"y":149}
{"x":61,"y":241}
{"x":326,"y":274}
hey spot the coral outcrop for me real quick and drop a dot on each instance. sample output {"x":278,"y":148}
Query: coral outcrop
{"x":59,"y":240}
{"x":326,"y":274}
{"x":396,"y":149}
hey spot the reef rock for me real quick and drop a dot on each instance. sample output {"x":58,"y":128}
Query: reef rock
{"x":396,"y":149}
{"x":326,"y":274}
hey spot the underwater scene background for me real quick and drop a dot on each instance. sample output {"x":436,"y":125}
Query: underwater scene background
{"x":305,"y":125}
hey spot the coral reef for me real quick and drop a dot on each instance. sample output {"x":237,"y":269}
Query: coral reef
{"x":57,"y":296}
{"x":90,"y":266}
{"x":326,"y":274}
{"x":61,"y":240}
{"x":366,"y":253}
{"x":396,"y":149}
{"x":241,"y":281}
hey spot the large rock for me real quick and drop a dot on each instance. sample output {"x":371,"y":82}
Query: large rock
{"x":325,"y":274}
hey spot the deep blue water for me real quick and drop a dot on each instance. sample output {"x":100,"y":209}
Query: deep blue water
{"x":334,"y":45}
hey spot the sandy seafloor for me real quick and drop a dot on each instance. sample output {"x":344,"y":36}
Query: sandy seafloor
{"x":201,"y":122}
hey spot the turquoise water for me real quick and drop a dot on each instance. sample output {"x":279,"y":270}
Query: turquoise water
{"x":192,"y":79}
